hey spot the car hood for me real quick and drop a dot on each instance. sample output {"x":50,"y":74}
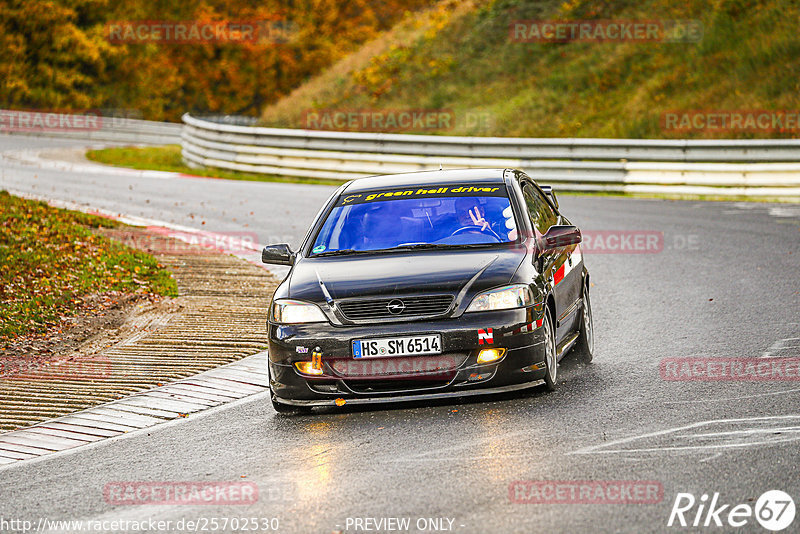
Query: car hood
{"x":463,"y":272}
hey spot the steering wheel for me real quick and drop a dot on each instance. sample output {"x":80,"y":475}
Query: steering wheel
{"x":475,"y":227}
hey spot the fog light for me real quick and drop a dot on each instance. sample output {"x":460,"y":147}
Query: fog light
{"x":308,"y":368}
{"x":490,"y":355}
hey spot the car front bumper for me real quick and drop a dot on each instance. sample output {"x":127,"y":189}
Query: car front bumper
{"x":516,"y":331}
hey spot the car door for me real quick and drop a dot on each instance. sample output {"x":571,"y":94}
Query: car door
{"x":571,"y":285}
{"x":558,"y":266}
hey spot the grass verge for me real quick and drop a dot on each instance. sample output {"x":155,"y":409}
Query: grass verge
{"x":168,"y":158}
{"x":460,"y":57}
{"x":54,"y":266}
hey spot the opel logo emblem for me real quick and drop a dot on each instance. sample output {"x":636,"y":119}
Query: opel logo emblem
{"x":396,"y":307}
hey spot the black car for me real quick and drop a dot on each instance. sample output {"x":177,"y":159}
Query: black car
{"x":427,"y":285}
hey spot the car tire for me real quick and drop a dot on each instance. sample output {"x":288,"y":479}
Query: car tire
{"x":550,"y":357}
{"x":584,"y":347}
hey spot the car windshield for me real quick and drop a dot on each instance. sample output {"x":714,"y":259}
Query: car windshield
{"x":433,"y":216}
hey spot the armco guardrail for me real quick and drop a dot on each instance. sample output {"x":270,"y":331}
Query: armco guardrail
{"x":766,"y":168}
{"x":91,"y":127}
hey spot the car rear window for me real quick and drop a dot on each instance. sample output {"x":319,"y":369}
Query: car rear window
{"x":436,"y":215}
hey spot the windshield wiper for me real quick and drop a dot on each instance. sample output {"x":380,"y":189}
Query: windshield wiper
{"x":347,"y":251}
{"x":441,"y":246}
{"x":416,"y":246}
{"x":342,"y":252}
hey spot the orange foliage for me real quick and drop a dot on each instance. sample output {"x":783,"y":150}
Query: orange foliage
{"x":56,"y":54}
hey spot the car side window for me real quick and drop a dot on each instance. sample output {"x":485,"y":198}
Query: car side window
{"x":541,"y":214}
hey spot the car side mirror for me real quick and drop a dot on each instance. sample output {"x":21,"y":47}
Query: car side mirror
{"x":558,"y":236}
{"x":278,"y":255}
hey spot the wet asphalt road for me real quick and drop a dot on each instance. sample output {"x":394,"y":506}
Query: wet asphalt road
{"x":726,"y":284}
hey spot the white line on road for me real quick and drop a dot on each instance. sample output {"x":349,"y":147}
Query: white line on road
{"x":785,"y":344}
{"x":34,"y":158}
{"x":741,"y":397}
{"x":607,"y":448}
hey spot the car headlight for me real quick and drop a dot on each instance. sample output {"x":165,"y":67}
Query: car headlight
{"x":504,"y":298}
{"x":294,"y":311}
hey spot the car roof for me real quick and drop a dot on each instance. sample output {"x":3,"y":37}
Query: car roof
{"x":423,"y":178}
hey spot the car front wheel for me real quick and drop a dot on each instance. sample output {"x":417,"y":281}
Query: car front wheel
{"x":584,"y":347}
{"x":550,"y":359}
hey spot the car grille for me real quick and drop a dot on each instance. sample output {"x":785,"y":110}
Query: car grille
{"x":367,"y":309}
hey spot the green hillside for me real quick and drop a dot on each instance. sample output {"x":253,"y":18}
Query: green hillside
{"x":460,"y":57}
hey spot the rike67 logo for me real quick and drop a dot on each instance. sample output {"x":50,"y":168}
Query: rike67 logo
{"x":774,"y":510}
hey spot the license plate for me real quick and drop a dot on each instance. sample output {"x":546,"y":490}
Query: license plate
{"x":397,"y":346}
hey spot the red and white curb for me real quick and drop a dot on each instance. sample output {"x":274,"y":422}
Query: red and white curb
{"x":176,"y":400}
